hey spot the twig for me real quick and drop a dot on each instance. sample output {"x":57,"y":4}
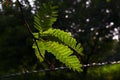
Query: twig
{"x":30,"y":31}
{"x":59,"y":68}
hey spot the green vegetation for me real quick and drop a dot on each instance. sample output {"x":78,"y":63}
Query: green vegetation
{"x":92,"y":23}
{"x":108,"y":72}
{"x":55,"y":41}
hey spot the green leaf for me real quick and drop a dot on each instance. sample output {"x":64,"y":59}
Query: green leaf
{"x":65,"y":38}
{"x":36,"y":35}
{"x":63,"y":53}
{"x":55,"y":41}
{"x":41,"y":47}
{"x":45,"y":17}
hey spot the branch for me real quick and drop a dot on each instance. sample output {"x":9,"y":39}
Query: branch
{"x":30,"y":31}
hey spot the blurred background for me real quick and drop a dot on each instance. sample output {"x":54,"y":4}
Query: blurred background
{"x":94,"y":23}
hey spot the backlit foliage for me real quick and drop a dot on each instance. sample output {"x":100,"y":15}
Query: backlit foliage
{"x":54,"y":41}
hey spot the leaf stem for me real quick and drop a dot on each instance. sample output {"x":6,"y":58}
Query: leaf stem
{"x":30,"y":31}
